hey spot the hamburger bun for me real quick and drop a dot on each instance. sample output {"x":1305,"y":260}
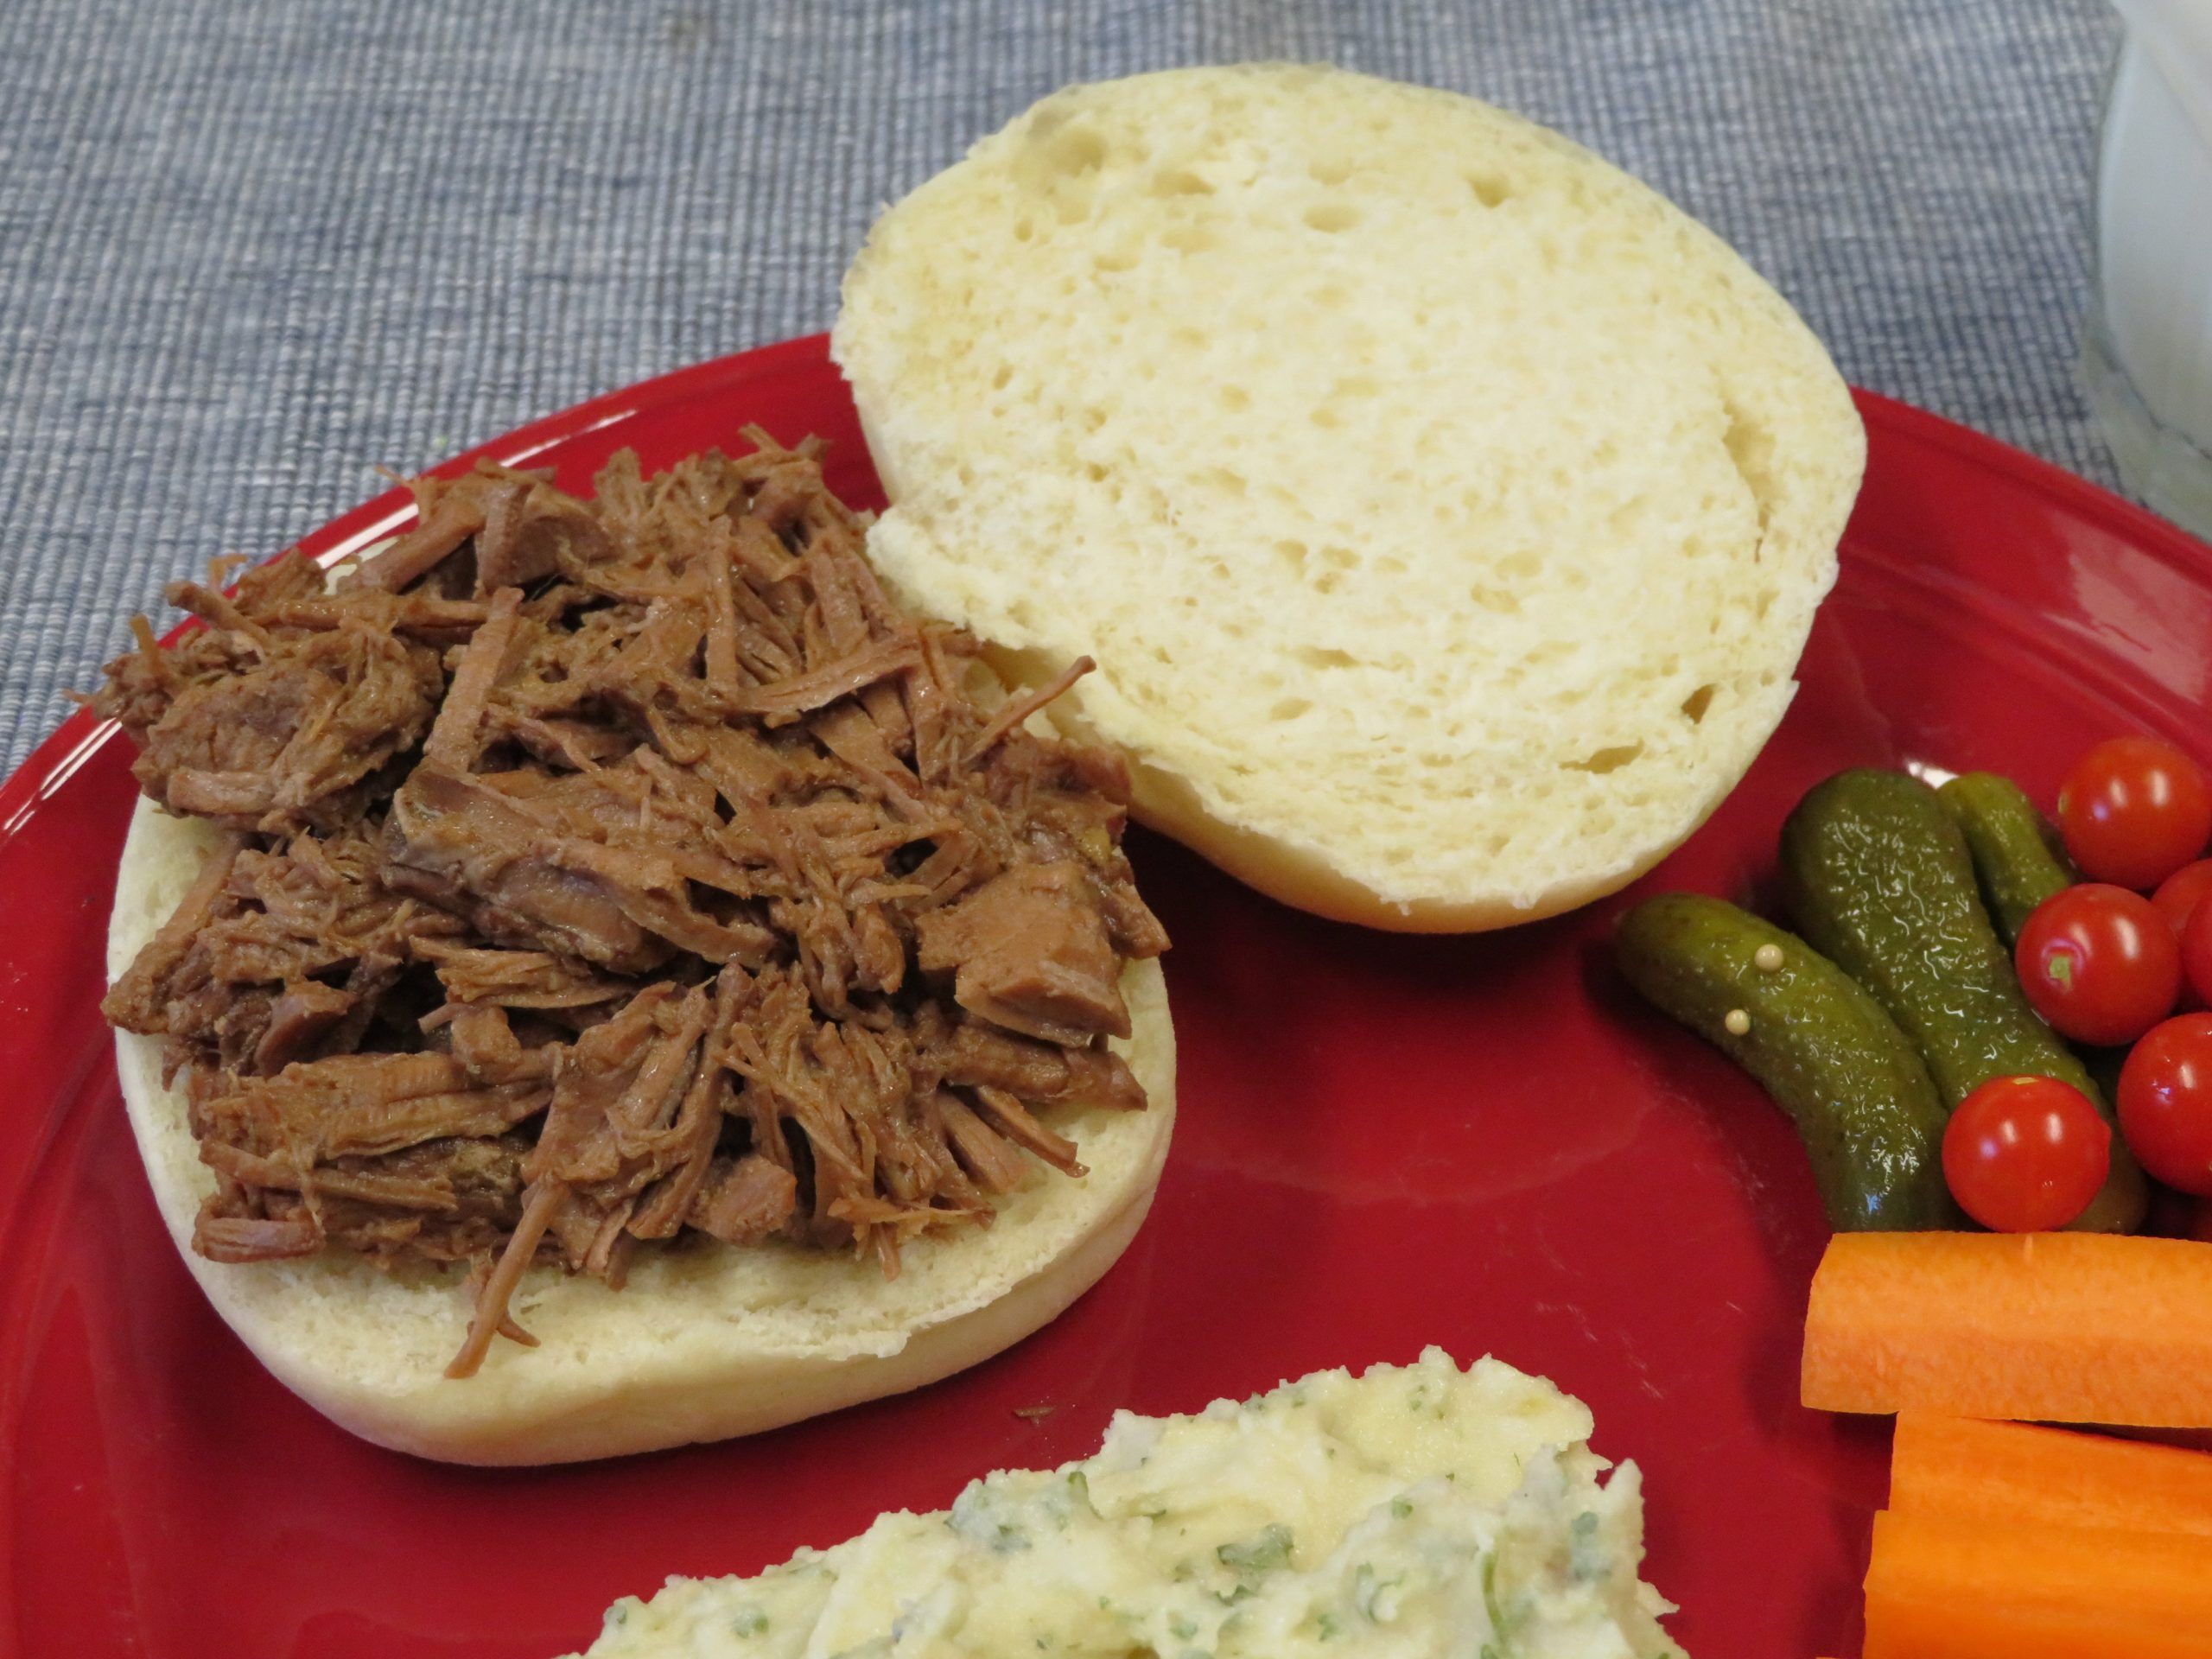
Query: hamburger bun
{"x":1445,"y":509}
{"x":702,"y":1344}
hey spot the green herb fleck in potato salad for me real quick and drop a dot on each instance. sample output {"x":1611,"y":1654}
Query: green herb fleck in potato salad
{"x":1416,"y":1510}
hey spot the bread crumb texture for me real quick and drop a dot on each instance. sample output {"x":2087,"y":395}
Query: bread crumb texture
{"x":1445,"y":509}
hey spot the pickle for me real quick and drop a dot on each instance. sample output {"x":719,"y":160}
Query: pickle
{"x":1880,"y":882}
{"x":2018,"y":856}
{"x":1821,"y":1046}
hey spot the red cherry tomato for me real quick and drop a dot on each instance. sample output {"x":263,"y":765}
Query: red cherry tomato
{"x":2165,"y":1103}
{"x":2176,"y":898}
{"x":2178,"y":894}
{"x":2025,"y":1154}
{"x":2099,"y":963}
{"x":2133,"y":810}
{"x":2196,"y":951}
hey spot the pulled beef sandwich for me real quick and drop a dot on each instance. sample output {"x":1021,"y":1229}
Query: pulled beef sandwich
{"x":599,"y":976}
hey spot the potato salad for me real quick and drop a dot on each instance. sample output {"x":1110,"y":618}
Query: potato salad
{"x":1414,"y":1510}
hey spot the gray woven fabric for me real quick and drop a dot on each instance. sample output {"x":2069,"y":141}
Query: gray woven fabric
{"x":247,"y":251}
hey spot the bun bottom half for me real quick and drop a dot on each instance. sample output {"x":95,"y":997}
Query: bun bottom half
{"x":702,"y":1344}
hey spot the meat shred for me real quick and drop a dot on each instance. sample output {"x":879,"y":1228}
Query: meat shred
{"x":617,"y":874}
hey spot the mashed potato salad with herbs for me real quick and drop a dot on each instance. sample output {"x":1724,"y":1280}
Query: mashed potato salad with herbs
{"x":1414,"y":1510}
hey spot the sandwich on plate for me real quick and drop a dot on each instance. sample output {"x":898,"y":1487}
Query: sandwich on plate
{"x":599,"y":975}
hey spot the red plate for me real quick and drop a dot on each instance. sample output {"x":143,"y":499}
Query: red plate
{"x":1385,"y":1142}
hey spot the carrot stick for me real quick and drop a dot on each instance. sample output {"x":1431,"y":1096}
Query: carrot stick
{"x":1945,"y":1588}
{"x":2060,"y":1327}
{"x":2014,"y":1471}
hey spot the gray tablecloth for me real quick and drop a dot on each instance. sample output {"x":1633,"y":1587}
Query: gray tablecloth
{"x":248,"y":251}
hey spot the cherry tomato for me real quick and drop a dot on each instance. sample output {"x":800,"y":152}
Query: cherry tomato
{"x":2133,"y":810}
{"x":2177,"y":899}
{"x":2165,"y":1103}
{"x":2099,"y":963}
{"x":2196,"y":951}
{"x":2025,"y":1154}
{"x":2177,"y":894}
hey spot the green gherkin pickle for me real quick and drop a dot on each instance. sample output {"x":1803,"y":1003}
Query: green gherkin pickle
{"x":1880,"y":880}
{"x":2018,"y":856}
{"x":1821,"y":1046}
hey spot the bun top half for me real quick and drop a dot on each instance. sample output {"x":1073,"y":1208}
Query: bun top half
{"x":1446,"y":512}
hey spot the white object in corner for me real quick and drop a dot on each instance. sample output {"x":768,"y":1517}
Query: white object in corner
{"x":2147,"y":354}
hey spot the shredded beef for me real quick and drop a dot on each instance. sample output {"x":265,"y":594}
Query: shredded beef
{"x":617,"y":873}
{"x":264,"y":725}
{"x":1030,"y":953}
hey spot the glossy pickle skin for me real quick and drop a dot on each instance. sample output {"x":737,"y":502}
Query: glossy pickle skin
{"x":2018,"y":856}
{"x":1879,"y":879}
{"x":1822,"y":1048}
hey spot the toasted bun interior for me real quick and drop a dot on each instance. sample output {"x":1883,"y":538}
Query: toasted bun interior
{"x":702,"y":1344}
{"x":1445,"y":511}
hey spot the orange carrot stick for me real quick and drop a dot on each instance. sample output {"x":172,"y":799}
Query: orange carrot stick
{"x":2060,"y":1327}
{"x":2015,"y":1472}
{"x":1945,"y":1588}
